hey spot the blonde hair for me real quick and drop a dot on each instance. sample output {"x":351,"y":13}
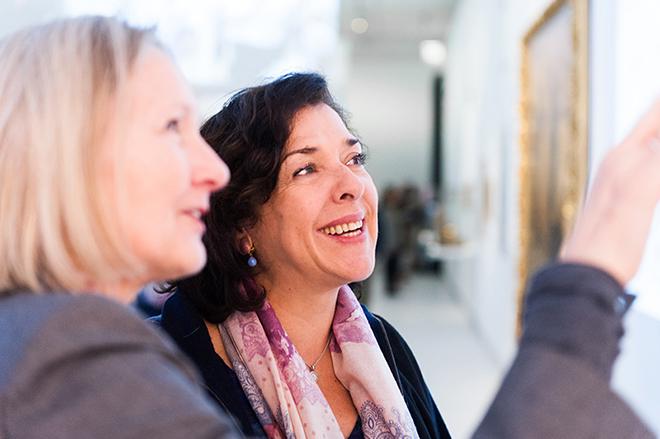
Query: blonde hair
{"x":58,"y":82}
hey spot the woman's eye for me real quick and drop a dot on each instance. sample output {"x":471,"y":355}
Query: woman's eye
{"x":358,"y":159}
{"x":172,"y":125}
{"x":307,"y":169}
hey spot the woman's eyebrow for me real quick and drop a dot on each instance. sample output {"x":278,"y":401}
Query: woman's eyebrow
{"x":351,"y":141}
{"x":305,"y":150}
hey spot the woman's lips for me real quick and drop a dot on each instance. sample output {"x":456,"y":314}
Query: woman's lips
{"x":344,"y":224}
{"x":196,"y":215}
{"x":352,"y":228}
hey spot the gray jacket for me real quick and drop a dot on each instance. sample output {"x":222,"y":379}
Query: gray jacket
{"x":85,"y":367}
{"x":559,"y":383}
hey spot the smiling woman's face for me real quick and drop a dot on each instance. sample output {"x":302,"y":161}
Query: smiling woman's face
{"x":319,"y":228}
{"x":167,"y":173}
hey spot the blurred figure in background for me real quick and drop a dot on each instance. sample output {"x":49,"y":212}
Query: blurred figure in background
{"x":389,"y":247}
{"x":403,"y":213}
{"x":414,"y":219}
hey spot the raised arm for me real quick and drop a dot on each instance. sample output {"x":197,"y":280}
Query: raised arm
{"x":559,"y":383}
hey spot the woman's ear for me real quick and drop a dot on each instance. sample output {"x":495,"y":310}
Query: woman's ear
{"x":246,"y":247}
{"x":243,"y":242}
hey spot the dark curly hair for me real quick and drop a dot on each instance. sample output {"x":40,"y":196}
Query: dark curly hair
{"x":249,"y":133}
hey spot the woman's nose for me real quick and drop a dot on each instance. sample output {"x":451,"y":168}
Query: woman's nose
{"x":349,"y":186}
{"x":208,"y":169}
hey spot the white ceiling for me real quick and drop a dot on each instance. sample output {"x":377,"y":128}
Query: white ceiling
{"x":224,"y":43}
{"x":397,"y":21}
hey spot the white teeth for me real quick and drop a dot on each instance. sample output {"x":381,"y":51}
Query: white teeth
{"x":348,"y":229}
{"x":196,"y":213}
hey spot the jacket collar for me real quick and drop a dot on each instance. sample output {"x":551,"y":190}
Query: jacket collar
{"x":186,"y":326}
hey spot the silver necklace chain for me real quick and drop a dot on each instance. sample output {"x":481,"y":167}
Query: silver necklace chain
{"x":312,"y":368}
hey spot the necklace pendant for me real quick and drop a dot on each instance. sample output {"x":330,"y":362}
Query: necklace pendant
{"x":314,"y":376}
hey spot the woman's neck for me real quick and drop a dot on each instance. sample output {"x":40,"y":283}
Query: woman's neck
{"x":123,"y":292}
{"x":306,"y":315}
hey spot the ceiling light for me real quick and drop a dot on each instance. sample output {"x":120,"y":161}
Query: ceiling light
{"x":359,"y":25}
{"x":433,"y":52}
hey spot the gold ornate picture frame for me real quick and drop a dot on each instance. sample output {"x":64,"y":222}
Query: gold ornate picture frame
{"x":553,"y":133}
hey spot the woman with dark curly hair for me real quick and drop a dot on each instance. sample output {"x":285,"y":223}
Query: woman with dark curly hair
{"x":281,"y":340}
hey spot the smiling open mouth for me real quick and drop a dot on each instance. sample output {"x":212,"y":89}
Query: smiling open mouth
{"x":346,"y":229}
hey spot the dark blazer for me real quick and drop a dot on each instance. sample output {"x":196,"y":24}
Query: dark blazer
{"x":185,"y":325}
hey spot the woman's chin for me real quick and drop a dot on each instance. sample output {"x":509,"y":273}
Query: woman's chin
{"x":360,"y":272}
{"x":190,"y":262}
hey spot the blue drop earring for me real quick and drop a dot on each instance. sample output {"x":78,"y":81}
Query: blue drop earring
{"x":252,"y":261}
{"x":247,"y":247}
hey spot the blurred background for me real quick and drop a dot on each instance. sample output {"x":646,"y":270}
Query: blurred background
{"x":463,"y":107}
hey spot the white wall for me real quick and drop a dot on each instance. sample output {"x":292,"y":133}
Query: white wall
{"x":481,"y":138}
{"x":389,"y":96}
{"x":482,"y":123}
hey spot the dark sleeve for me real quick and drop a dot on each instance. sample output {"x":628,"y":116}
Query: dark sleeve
{"x":96,"y":371}
{"x":404,"y":367}
{"x":559,"y":383}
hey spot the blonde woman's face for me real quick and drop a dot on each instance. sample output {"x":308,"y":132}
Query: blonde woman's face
{"x":166,"y":172}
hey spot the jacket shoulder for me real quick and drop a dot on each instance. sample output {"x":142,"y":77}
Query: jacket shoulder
{"x":88,"y":356}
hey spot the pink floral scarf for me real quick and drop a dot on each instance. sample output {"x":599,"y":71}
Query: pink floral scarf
{"x":282,"y":392}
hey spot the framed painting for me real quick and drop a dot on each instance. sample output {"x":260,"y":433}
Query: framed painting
{"x":553,"y":133}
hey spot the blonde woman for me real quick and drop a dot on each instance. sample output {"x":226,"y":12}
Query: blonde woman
{"x":103,"y":180}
